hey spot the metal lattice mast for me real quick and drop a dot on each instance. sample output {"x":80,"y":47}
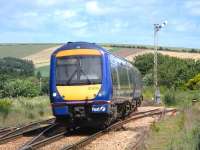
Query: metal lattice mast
{"x":157,"y":27}
{"x":155,"y":73}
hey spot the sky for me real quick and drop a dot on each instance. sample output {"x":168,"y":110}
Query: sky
{"x":100,"y":21}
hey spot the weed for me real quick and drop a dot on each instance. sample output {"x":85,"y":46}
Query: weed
{"x":169,"y":98}
{"x":5,"y":108}
{"x":22,"y":110}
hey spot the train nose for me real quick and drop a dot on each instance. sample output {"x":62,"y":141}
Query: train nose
{"x":85,"y":92}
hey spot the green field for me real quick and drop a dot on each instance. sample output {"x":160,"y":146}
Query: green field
{"x":22,"y":50}
{"x":43,"y":70}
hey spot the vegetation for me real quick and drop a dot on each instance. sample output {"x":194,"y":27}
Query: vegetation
{"x":24,"y":49}
{"x":22,"y":88}
{"x":179,"y":81}
{"x":19,"y":84}
{"x":16,"y":111}
{"x":194,"y":83}
{"x":18,"y":79}
{"x":16,"y":67}
{"x":172,"y":72}
{"x":43,"y":70}
{"x":18,"y":87}
{"x":175,"y":49}
{"x":181,"y":132}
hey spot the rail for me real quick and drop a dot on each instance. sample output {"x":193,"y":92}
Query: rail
{"x":115,"y":126}
{"x":19,"y":131}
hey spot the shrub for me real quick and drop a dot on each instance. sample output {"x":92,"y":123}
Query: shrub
{"x":169,"y":98}
{"x":16,"y":67}
{"x":5,"y":106}
{"x":18,"y":87}
{"x":172,"y":72}
{"x":148,"y":79}
{"x":194,"y":83}
{"x":45,"y":86}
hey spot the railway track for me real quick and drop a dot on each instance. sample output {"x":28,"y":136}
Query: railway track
{"x":49,"y":131}
{"x":80,"y":144}
{"x":3,"y":131}
{"x":49,"y":135}
{"x":8,"y":134}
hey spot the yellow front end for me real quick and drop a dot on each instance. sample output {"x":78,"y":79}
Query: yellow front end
{"x":81,"y":92}
{"x":78,"y":92}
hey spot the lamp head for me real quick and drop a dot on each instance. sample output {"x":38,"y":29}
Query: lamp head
{"x":164,"y":23}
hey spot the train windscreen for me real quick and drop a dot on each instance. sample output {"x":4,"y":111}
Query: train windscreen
{"x":76,"y":70}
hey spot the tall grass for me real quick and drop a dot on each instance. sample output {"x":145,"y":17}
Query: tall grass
{"x":181,"y":132}
{"x":172,"y":97}
{"x":22,"y":110}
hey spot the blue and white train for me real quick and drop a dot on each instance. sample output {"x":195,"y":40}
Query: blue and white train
{"x":89,"y":86}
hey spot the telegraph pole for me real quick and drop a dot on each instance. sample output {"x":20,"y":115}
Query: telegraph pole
{"x":157,"y":28}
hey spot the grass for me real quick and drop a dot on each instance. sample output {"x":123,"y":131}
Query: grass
{"x":44,"y":70}
{"x":181,"y":132}
{"x":148,"y":92}
{"x":114,"y":49}
{"x":16,"y":111}
{"x":180,"y":95}
{"x":22,"y":50}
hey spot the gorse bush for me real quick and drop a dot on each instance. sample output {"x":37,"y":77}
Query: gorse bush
{"x":194,"y":83}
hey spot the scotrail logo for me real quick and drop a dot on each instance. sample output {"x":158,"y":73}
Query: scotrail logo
{"x":98,"y":108}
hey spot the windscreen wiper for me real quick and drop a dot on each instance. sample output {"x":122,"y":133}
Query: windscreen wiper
{"x":89,"y":81}
{"x":70,"y":78}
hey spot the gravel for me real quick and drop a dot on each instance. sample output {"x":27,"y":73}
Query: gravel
{"x":15,"y":144}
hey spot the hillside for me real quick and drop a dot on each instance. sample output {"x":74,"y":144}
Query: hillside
{"x":22,"y":50}
{"x":42,"y":57}
{"x":40,"y":53}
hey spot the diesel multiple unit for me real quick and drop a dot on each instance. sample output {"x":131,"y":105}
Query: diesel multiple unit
{"x":89,"y":86}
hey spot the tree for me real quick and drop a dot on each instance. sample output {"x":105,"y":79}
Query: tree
{"x":38,"y":75}
{"x":172,"y":72}
{"x":16,"y":67}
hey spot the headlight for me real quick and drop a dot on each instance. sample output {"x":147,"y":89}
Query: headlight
{"x":54,"y":94}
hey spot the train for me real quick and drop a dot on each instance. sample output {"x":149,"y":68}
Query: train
{"x":91,"y":87}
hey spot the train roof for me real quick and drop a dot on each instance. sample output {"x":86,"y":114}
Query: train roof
{"x":85,"y":45}
{"x":79,"y":45}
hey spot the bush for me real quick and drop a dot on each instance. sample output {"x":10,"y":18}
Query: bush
{"x":5,"y":106}
{"x":148,"y":79}
{"x":172,"y":72}
{"x":45,"y":86}
{"x":18,"y":87}
{"x":16,"y":67}
{"x":169,"y":98}
{"x":194,"y":83}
